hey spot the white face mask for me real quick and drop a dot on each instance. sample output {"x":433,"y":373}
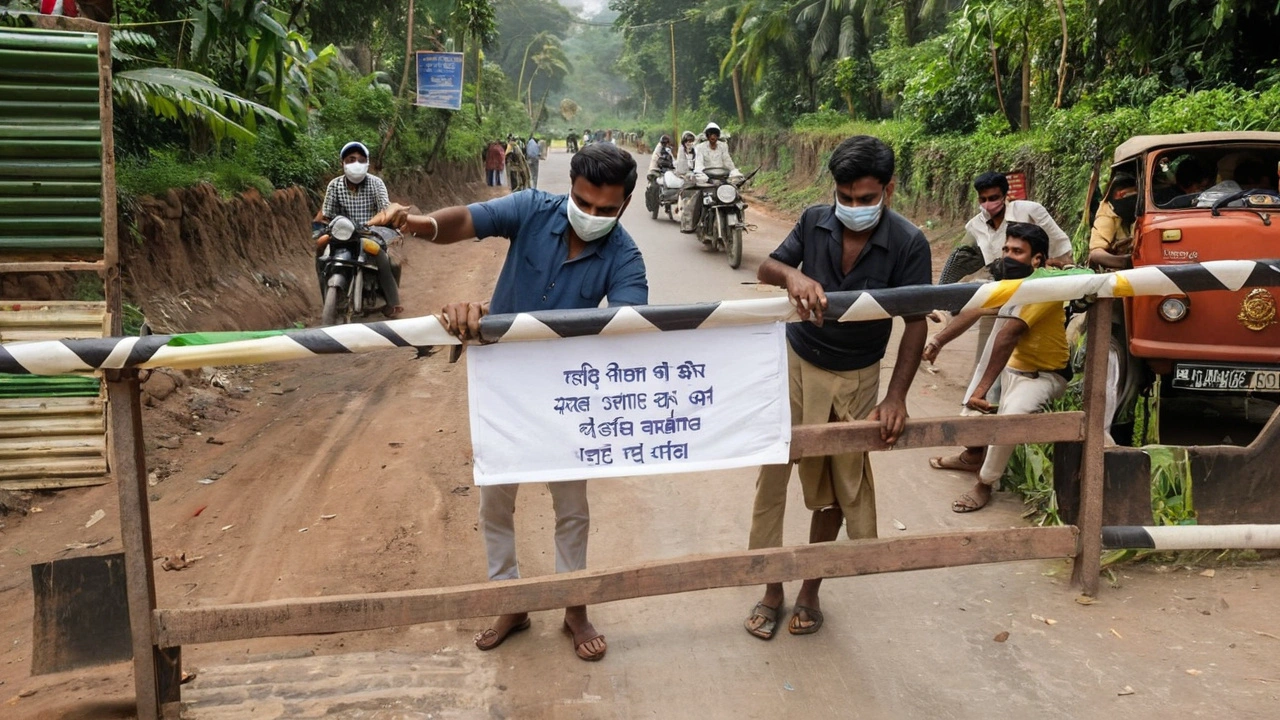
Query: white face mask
{"x":588,"y":227}
{"x":356,"y":172}
{"x":859,"y":218}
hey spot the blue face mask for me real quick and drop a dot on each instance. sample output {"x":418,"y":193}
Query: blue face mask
{"x":859,"y":218}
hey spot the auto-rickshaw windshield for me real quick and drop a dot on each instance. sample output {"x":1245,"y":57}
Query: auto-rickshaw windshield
{"x":1196,"y":177}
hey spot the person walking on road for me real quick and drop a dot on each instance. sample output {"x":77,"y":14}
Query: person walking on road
{"x":855,"y":243}
{"x":533,"y":152}
{"x":566,"y":252}
{"x":494,"y":161}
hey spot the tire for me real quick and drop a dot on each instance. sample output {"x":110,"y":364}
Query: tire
{"x":329,"y":316}
{"x":735,"y":247}
{"x":964,"y":260}
{"x":357,"y":293}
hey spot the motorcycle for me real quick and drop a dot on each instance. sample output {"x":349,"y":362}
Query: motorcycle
{"x":721,"y":225}
{"x":348,"y":268}
{"x":663,"y":190}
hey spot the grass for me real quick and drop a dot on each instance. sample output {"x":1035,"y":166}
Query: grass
{"x":166,"y":169}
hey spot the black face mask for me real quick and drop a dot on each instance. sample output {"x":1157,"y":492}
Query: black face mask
{"x":1126,"y":208}
{"x":1010,"y":269}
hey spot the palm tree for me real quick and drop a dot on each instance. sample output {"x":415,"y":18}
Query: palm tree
{"x":553,"y":62}
{"x":480,"y":24}
{"x":762,"y":28}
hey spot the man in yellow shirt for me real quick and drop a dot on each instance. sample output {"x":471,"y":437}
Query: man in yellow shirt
{"x":1028,"y":353}
{"x":1111,"y":241}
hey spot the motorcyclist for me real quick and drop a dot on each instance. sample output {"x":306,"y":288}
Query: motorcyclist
{"x":710,"y":154}
{"x":663,"y":158}
{"x":684,"y":155}
{"x":571,"y":142}
{"x":363,"y":199}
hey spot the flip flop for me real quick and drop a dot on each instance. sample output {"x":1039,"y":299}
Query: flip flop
{"x":955,"y":462}
{"x":815,"y":617}
{"x":767,"y":628}
{"x":490,"y":639}
{"x":967,"y":504}
{"x":577,"y":646}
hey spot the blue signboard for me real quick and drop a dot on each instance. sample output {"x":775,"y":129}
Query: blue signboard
{"x":440,"y":80}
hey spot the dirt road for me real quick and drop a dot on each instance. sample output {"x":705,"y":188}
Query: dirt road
{"x":380,"y":442}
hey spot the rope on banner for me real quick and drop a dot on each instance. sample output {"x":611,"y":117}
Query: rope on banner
{"x":1191,"y":537}
{"x":210,"y":349}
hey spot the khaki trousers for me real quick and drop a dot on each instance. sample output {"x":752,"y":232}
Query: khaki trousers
{"x":819,"y":396}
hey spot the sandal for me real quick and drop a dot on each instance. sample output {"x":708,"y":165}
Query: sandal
{"x":766,"y":629}
{"x":955,"y":462}
{"x":490,"y":639}
{"x":578,"y":646}
{"x":815,"y":621}
{"x":967,"y":503}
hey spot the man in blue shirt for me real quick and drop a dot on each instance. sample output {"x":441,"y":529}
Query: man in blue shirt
{"x":533,"y":153}
{"x":567,"y":251}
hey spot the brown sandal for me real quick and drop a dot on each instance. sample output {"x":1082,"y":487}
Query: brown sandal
{"x":955,"y":462}
{"x":766,"y":629}
{"x":578,"y":646}
{"x":490,"y":639}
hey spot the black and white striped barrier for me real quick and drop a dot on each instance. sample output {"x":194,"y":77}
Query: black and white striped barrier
{"x":211,"y":349}
{"x":1192,"y":537}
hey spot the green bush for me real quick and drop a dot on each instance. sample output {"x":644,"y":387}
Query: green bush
{"x":168,"y":168}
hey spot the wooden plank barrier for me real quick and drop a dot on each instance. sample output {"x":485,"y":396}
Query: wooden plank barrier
{"x":159,"y":633}
{"x":348,"y":613}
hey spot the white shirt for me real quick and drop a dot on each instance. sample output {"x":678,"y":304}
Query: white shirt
{"x":684,"y":161}
{"x":533,"y":151}
{"x":991,"y":240}
{"x":707,"y":157}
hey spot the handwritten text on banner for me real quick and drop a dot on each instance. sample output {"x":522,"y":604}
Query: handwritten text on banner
{"x":612,"y":406}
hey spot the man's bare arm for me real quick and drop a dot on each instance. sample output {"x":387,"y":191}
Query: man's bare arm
{"x":443,"y":227}
{"x":1102,"y":258}
{"x":1006,"y":340}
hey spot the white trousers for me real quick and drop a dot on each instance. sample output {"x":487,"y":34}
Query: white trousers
{"x":1020,"y":395}
{"x":498,"y":522}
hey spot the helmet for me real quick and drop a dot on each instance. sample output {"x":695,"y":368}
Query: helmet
{"x":687,"y":136}
{"x":710,"y":128}
{"x":665,"y":139}
{"x":349,"y":147}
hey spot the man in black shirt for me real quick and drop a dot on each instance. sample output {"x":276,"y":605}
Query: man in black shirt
{"x":856,"y":243}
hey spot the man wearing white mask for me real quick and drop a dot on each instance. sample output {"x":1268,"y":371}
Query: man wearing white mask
{"x":566,"y":252}
{"x":855,"y":243}
{"x":363,"y":199}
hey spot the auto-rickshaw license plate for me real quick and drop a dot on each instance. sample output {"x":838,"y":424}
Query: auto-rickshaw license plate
{"x":1223,"y":377}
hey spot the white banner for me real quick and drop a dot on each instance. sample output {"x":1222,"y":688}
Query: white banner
{"x":613,"y":406}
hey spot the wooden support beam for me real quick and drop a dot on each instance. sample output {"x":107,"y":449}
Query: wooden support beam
{"x":1088,"y":562}
{"x":155,"y":678}
{"x":835,"y":438}
{"x":349,"y":613}
{"x":53,"y":483}
{"x":44,"y":267}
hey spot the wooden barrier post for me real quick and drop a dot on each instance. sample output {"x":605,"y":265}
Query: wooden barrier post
{"x":1088,"y":563}
{"x":157,"y":671}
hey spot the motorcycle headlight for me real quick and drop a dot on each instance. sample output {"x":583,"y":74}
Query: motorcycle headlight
{"x":726,"y":193}
{"x":1174,"y":309}
{"x":342,"y":228}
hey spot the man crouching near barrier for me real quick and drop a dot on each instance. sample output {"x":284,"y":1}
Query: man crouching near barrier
{"x":567,"y":252}
{"x":856,"y":243}
{"x":1027,"y":351}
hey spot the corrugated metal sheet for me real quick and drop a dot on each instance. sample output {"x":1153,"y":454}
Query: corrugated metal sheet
{"x":50,"y":141}
{"x":52,"y":430}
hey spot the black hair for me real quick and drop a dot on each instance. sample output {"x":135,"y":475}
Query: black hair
{"x":861,"y":156}
{"x":1189,"y":171}
{"x":1122,"y":181}
{"x":1250,"y":172}
{"x":990,"y":179}
{"x":604,"y":164}
{"x":1035,"y":236}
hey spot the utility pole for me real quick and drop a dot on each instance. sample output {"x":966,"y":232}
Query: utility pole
{"x":675,"y":122}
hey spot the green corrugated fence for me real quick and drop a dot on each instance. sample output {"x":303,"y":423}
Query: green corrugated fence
{"x":50,"y":141}
{"x":33,"y":386}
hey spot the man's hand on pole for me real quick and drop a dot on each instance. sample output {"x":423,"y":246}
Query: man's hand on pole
{"x":462,"y":319}
{"x":892,"y":415}
{"x":807,"y":296}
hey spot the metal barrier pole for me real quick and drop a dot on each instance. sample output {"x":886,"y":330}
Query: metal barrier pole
{"x":1088,"y":563}
{"x":156,"y":671}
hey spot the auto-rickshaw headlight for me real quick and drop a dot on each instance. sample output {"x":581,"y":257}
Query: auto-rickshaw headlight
{"x":1174,"y":309}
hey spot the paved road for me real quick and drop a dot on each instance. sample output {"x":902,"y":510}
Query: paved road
{"x":915,"y":645}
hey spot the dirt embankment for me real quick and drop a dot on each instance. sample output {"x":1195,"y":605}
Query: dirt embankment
{"x":195,"y":261}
